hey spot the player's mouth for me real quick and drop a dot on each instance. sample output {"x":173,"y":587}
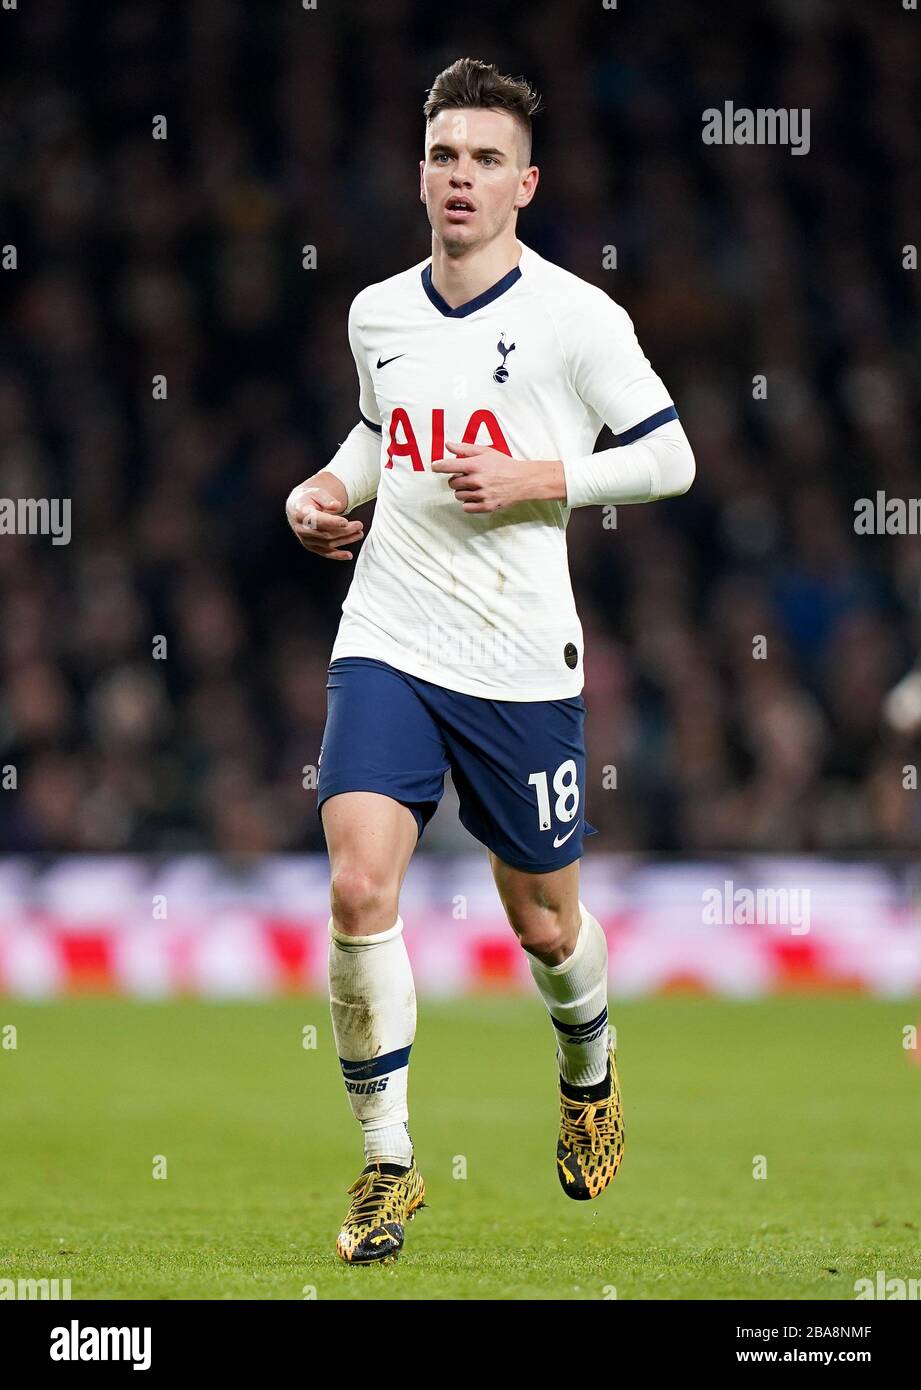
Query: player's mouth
{"x":459,"y":209}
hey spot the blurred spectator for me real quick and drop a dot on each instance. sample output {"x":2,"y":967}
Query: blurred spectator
{"x":163,"y":676}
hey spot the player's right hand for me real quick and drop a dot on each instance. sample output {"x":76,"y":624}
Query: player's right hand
{"x":312,"y":516}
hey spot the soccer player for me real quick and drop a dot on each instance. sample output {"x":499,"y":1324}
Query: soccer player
{"x":485,"y":375}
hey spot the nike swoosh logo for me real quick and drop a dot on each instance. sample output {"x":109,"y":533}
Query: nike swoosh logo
{"x":557,"y":842}
{"x":389,"y":360}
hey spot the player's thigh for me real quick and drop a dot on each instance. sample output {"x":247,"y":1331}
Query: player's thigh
{"x":519,"y":771}
{"x":382,"y":768}
{"x":380,"y":737}
{"x":542,"y":908}
{"x":370,"y":839}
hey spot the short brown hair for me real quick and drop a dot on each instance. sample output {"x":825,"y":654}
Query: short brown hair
{"x":471,"y":82}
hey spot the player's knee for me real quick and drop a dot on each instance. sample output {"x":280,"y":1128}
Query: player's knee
{"x":362,"y":902}
{"x":542,"y":932}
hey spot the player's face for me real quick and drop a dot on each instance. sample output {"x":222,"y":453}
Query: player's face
{"x":474,"y":156}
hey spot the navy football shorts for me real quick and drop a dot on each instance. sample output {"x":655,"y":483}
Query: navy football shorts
{"x":518,"y":766}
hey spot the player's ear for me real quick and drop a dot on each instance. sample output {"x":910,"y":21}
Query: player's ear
{"x":528,"y":187}
{"x":422,"y":179}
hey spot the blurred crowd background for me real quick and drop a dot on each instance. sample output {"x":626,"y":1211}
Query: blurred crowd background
{"x":289,"y":127}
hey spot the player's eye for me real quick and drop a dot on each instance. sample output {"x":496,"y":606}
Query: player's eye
{"x":488,"y":158}
{"x":439,"y":154}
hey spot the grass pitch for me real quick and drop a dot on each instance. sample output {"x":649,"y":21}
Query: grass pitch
{"x":259,"y":1147}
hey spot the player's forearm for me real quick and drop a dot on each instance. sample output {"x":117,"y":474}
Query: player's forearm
{"x":546,"y":481}
{"x":660,"y":465}
{"x":357,"y":466}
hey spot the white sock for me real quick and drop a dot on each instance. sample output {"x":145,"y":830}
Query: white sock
{"x":576,"y":993}
{"x":372,"y":1001}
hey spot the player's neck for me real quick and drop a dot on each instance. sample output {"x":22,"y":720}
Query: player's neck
{"x":458,"y":279}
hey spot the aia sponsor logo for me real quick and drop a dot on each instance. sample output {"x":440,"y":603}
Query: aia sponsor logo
{"x":404,"y":437}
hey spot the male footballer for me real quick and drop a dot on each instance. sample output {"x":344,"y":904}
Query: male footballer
{"x":485,"y":376}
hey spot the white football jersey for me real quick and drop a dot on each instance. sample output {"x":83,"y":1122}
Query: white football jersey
{"x":481,"y":602}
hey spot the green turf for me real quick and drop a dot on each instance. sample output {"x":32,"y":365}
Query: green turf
{"x":260,"y":1148}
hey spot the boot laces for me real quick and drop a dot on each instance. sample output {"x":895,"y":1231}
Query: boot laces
{"x":378,"y":1195}
{"x":591,"y":1118}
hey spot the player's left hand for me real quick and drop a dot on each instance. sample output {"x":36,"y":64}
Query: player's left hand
{"x":483,"y":479}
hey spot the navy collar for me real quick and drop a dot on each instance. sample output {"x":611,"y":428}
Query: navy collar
{"x":472,"y":305}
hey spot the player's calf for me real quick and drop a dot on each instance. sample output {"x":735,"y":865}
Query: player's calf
{"x":591,"y":1138}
